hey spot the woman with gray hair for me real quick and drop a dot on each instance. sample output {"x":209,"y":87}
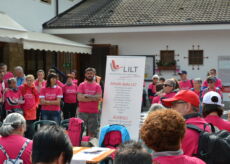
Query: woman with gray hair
{"x":12,"y":142}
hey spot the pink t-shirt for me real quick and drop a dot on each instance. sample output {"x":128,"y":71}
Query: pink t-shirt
{"x":7,"y":76}
{"x":13,"y":144}
{"x":13,"y":95}
{"x":70,"y":93}
{"x":39,"y":86}
{"x":217,"y":84}
{"x":51,"y":94}
{"x":178,"y":159}
{"x":218,"y":122}
{"x":191,"y":138}
{"x":185,"y":85}
{"x":157,"y":99}
{"x":153,"y":89}
{"x":90,"y":89}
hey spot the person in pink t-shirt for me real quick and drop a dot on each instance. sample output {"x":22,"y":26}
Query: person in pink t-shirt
{"x":50,"y":98}
{"x":163,"y":131}
{"x":74,"y":74}
{"x":185,"y":83}
{"x":13,"y":98}
{"x":30,"y":95}
{"x":187,"y":103}
{"x":211,"y":86}
{"x":212,"y":73}
{"x":70,"y":98}
{"x":39,"y":83}
{"x":7,"y":75}
{"x":89,"y":94}
{"x":152,"y":87}
{"x":12,"y":140}
{"x":213,"y":110}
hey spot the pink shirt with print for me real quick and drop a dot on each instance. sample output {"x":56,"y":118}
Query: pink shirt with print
{"x":90,"y":89}
{"x":13,"y":144}
{"x":13,"y":95}
{"x":185,"y":85}
{"x":218,"y":122}
{"x":177,"y":159}
{"x":70,"y":93}
{"x":191,"y":138}
{"x":51,"y":94}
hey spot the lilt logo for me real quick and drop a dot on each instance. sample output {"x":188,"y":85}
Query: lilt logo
{"x":115,"y":66}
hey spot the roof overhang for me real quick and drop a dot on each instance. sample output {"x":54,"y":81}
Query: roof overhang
{"x":130,"y":29}
{"x":11,"y":31}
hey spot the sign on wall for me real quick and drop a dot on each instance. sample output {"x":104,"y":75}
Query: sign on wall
{"x":123,"y":92}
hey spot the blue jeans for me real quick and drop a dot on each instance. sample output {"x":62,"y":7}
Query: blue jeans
{"x":51,"y":115}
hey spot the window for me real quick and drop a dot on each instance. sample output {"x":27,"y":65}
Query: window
{"x":167,"y":58}
{"x":195,"y":57}
{"x":46,"y":1}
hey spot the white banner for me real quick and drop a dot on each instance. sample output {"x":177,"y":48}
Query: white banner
{"x":123,"y":92}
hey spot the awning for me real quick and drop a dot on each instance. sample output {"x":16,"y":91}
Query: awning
{"x":11,"y":31}
{"x":9,"y":28}
{"x":43,"y":41}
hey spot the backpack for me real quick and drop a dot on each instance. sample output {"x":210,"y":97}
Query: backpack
{"x":75,"y":131}
{"x":112,"y":139}
{"x":213,"y":147}
{"x":18,"y":160}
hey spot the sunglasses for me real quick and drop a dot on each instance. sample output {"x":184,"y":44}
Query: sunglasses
{"x":167,"y":85}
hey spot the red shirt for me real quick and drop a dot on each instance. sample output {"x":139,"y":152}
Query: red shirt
{"x":90,"y":89}
{"x":218,"y":122}
{"x":13,"y":144}
{"x":51,"y":94}
{"x":13,"y":95}
{"x":177,"y":159}
{"x":70,"y":93}
{"x":185,"y":85}
{"x":191,"y":138}
{"x":30,"y":96}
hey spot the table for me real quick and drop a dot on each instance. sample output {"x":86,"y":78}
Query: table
{"x":88,"y":155}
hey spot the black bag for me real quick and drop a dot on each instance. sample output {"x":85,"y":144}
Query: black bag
{"x":214,"y":147}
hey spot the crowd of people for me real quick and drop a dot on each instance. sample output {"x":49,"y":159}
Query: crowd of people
{"x":164,"y":136}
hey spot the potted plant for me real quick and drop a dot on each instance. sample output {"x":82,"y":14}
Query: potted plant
{"x":166,"y":65}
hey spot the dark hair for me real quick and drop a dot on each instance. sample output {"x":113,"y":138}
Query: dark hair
{"x":51,"y":70}
{"x":10,"y":80}
{"x":209,"y":108}
{"x":49,"y":143}
{"x":41,"y":70}
{"x":2,"y":64}
{"x":52,"y":75}
{"x":162,"y":79}
{"x":132,"y":153}
{"x":90,"y":69}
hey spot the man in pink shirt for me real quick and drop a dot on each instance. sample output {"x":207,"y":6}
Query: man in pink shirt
{"x":212,"y":73}
{"x":7,"y":75}
{"x":187,"y":103}
{"x":89,"y":95}
{"x":185,"y":83}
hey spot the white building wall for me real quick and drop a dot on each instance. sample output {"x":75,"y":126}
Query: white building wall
{"x":214,"y":44}
{"x":31,"y":14}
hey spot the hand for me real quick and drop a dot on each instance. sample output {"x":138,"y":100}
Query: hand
{"x":21,"y":101}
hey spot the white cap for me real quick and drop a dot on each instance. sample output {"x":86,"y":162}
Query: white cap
{"x":212,"y":98}
{"x":155,"y":76}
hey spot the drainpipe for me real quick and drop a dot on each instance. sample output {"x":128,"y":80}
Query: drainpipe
{"x":57,"y":7}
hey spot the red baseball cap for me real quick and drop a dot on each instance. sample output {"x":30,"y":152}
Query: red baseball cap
{"x":184,"y":95}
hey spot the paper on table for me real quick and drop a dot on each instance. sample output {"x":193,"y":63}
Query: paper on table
{"x":89,"y":154}
{"x":78,"y":162}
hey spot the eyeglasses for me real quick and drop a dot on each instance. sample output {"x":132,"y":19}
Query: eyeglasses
{"x":167,"y":85}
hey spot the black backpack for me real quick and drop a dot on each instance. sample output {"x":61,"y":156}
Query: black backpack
{"x":213,"y":147}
